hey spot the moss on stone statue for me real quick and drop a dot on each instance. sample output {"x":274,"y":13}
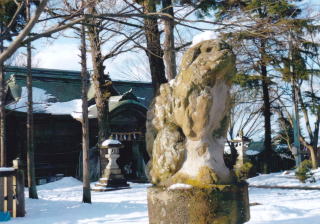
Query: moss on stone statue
{"x":206,"y":178}
{"x":207,"y":175}
{"x":220,"y":204}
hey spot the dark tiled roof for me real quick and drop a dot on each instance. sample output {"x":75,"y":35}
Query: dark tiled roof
{"x":65,"y":85}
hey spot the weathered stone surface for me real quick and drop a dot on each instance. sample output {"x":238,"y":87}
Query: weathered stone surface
{"x":220,"y":204}
{"x":187,"y":124}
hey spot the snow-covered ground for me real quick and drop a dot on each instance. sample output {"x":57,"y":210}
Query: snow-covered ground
{"x":286,"y":178}
{"x":60,"y":203}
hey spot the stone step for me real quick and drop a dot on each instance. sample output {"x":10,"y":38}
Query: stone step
{"x":113,"y":183}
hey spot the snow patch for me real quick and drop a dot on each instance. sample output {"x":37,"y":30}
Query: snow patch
{"x":108,"y":142}
{"x":141,"y":98}
{"x":171,"y":82}
{"x":68,"y":107}
{"x":207,"y":35}
{"x":179,"y":186}
{"x":252,"y":152}
{"x":5,"y":169}
{"x":287,"y":178}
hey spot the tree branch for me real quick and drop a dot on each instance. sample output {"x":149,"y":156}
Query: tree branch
{"x":17,"y":42}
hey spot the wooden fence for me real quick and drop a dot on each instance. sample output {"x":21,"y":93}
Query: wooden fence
{"x":12,"y":190}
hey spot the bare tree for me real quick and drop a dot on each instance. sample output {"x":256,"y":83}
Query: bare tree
{"x":23,"y":33}
{"x":245,"y":115}
{"x":102,"y":31}
{"x":309,"y":101}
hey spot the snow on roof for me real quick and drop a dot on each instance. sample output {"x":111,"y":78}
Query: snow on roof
{"x":43,"y":102}
{"x":92,"y":112}
{"x":65,"y":107}
{"x":207,"y":35}
{"x":110,"y":142}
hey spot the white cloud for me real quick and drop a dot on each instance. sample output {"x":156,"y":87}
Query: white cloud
{"x":59,"y":56}
{"x":65,"y":55}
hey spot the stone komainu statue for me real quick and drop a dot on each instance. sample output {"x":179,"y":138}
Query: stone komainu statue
{"x":187,"y":124}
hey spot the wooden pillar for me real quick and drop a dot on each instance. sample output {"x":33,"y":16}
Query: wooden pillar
{"x":1,"y":193}
{"x":10,"y":195}
{"x":20,"y":201}
{"x":20,"y":194}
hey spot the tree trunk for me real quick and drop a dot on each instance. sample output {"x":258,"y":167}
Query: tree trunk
{"x":86,"y":197}
{"x":295,"y":100}
{"x":313,"y":157}
{"x":154,"y":51}
{"x":314,"y":153}
{"x":102,"y":85}
{"x":101,"y":82}
{"x":266,"y":113}
{"x":169,"y":52}
{"x":296,"y":124}
{"x":3,"y":153}
{"x":30,"y":144}
{"x":316,"y":136}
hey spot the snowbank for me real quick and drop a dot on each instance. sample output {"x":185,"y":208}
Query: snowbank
{"x":286,"y":178}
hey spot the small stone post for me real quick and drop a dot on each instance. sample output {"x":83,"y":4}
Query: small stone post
{"x":112,"y":178}
{"x":186,"y":132}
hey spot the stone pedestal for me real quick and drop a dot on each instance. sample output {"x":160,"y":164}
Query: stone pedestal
{"x":112,"y":178}
{"x":219,"y":204}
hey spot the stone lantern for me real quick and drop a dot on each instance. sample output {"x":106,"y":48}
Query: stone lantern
{"x":241,"y":143}
{"x":112,"y":178}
